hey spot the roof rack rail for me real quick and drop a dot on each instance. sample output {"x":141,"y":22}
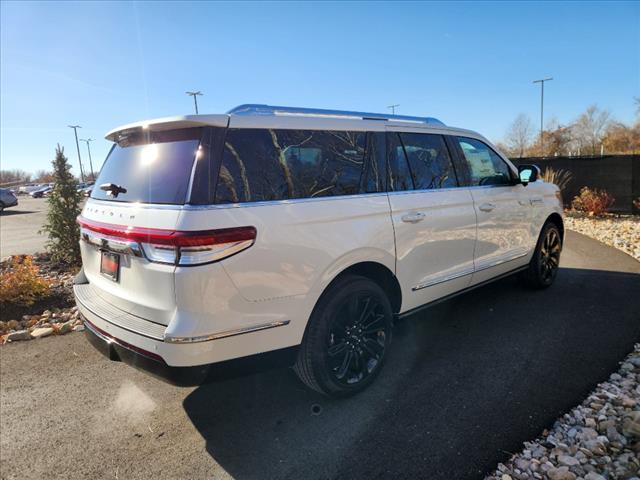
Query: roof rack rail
{"x":267,"y":110}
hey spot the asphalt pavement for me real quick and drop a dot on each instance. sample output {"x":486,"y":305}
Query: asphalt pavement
{"x":19,"y":227}
{"x":466,"y":383}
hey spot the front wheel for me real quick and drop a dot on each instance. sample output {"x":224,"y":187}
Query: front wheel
{"x":545,"y":262}
{"x":347,"y":338}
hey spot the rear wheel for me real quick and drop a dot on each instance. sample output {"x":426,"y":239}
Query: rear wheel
{"x":347,"y":338}
{"x":545,"y":262}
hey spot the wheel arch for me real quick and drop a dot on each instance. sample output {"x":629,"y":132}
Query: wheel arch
{"x":379,"y":274}
{"x":556,"y":219}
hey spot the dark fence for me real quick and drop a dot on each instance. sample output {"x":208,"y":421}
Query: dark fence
{"x":617,"y":174}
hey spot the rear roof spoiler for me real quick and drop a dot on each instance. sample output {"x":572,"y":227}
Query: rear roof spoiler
{"x":170,"y":123}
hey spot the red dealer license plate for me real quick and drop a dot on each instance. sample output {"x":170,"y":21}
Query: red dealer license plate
{"x":110,"y":265}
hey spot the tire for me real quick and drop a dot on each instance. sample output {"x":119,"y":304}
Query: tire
{"x":545,"y":261}
{"x":347,"y":338}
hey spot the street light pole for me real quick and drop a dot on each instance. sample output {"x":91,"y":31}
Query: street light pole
{"x":87,"y":141}
{"x":393,"y":108}
{"x":75,"y":131}
{"x":195,"y":99}
{"x":541,"y":82}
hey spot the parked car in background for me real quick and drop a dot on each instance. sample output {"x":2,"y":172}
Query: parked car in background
{"x":27,"y":189}
{"x":299,"y":234}
{"x":7,"y":199}
{"x":40,"y":192}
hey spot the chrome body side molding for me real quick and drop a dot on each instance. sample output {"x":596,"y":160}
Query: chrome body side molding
{"x":227,"y":333}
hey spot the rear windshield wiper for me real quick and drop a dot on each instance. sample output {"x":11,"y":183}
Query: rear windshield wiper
{"x":113,"y":189}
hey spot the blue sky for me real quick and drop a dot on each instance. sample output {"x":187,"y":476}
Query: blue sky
{"x":470,"y":64}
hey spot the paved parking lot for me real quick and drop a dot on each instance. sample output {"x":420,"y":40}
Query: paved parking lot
{"x":467,"y":382}
{"x":19,"y":227}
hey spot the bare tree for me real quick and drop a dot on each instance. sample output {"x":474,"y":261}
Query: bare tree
{"x":14,"y":176}
{"x":42,"y":176}
{"x":518,"y":137}
{"x":589,"y":129}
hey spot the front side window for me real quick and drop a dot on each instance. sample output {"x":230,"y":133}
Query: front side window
{"x":420,"y":161}
{"x":149,"y":167}
{"x":262,"y":165}
{"x":485,"y":166}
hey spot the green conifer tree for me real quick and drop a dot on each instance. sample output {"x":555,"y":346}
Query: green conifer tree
{"x":64,"y":208}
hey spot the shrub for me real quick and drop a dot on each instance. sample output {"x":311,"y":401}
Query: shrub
{"x":592,"y":201}
{"x":559,"y":177}
{"x":64,"y":208}
{"x":21,"y":283}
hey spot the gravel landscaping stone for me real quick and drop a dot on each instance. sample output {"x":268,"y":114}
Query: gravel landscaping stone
{"x":58,"y":313}
{"x":56,"y":322}
{"x":41,"y":332}
{"x":622,"y":232}
{"x":597,"y":440}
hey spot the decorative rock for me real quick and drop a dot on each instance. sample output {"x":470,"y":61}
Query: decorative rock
{"x":41,"y":332}
{"x":19,"y":335}
{"x":593,"y":476}
{"x":561,"y":473}
{"x":522,"y":464}
{"x":568,"y":460}
{"x":631,"y":425}
{"x":78,"y":328}
{"x":65,"y":327}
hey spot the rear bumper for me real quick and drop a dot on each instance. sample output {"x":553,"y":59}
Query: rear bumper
{"x":117,"y":350}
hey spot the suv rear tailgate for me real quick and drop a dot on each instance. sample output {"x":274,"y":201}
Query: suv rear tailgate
{"x":142,"y":288}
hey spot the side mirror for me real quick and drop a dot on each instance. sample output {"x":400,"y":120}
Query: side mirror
{"x":528,"y":173}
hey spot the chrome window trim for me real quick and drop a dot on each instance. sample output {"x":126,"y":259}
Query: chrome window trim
{"x":226,"y":333}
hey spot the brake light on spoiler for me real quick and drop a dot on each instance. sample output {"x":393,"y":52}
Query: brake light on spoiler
{"x":178,"y":247}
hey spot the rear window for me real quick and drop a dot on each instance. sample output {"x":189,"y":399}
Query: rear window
{"x":263,"y":165}
{"x":149,"y":167}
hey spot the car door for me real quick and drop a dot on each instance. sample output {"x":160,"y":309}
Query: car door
{"x":503,"y":210}
{"x":433,"y":218}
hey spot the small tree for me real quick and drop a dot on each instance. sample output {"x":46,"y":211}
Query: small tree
{"x":64,"y":208}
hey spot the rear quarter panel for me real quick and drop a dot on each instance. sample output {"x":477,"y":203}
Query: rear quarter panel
{"x":301,"y":246}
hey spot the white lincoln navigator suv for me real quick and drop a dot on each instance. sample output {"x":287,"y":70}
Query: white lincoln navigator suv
{"x":214,"y":244}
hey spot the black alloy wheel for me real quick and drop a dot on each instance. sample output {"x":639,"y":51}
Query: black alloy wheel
{"x":357,"y":339}
{"x":545,"y":262}
{"x":347,"y":338}
{"x":550,"y":255}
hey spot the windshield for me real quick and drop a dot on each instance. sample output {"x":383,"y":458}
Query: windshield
{"x":149,"y":168}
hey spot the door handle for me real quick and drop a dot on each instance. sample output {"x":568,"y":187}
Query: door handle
{"x":487,"y":207}
{"x":413,"y":217}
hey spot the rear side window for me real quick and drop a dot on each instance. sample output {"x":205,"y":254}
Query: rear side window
{"x":420,"y":161}
{"x":485,"y":166}
{"x":262,"y":165}
{"x":151,"y":167}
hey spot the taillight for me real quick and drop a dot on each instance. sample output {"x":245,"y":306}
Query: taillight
{"x":179,"y":247}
